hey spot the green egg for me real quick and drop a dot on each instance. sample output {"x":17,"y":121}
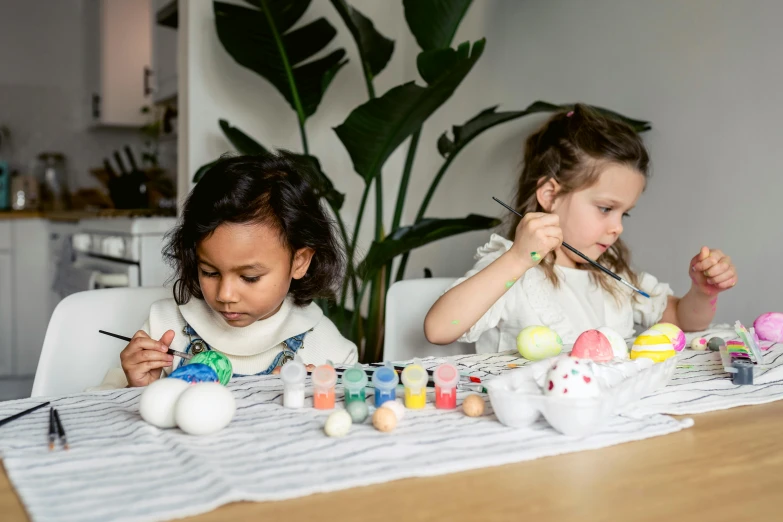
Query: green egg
{"x":357,"y":410}
{"x":218,"y":362}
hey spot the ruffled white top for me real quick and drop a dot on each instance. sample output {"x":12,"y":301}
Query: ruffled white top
{"x":578,"y":304}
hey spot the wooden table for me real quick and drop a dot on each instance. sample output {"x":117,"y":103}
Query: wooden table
{"x":729,"y":466}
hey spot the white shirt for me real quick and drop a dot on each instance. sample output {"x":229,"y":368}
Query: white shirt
{"x":251,"y":349}
{"x":578,"y":304}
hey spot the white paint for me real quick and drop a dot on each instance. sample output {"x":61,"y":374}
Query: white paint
{"x":704,"y":72}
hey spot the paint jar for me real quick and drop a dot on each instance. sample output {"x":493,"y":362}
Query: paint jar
{"x":414,"y":378}
{"x":324,"y":378}
{"x":293,"y":374}
{"x":385,"y":381}
{"x":354,"y":383}
{"x":446,"y":378}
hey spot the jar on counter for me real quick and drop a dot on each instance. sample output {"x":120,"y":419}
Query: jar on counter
{"x":50,"y":171}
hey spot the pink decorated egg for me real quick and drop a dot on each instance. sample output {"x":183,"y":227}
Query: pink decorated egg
{"x":675,"y":335}
{"x":769,"y":327}
{"x":594,"y":345}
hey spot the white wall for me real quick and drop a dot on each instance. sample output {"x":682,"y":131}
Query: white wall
{"x":43,"y":93}
{"x":704,"y":72}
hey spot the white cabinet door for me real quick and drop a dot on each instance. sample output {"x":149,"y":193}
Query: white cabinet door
{"x":30,"y":266}
{"x":6,"y":316}
{"x":164,"y":53}
{"x":119,"y":75}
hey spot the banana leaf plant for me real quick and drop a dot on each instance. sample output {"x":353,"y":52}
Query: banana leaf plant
{"x":261,"y":37}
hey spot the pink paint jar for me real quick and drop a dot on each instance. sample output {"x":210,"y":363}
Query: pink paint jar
{"x":446,"y":378}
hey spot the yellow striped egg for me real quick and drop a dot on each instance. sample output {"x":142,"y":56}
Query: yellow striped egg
{"x":654,"y":345}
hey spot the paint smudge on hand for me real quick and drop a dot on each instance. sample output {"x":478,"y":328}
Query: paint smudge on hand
{"x":535,"y":256}
{"x":510,"y":283}
{"x":455,"y":321}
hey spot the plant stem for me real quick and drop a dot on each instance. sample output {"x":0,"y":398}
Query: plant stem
{"x":378,"y":207}
{"x":302,"y":132}
{"x":349,"y":273}
{"x":406,"y":175}
{"x":288,"y":70}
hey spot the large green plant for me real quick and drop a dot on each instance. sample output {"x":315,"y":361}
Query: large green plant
{"x":262,"y":38}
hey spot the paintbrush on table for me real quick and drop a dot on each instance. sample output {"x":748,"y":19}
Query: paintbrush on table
{"x":170,"y":351}
{"x":52,"y":429}
{"x":23,"y":413}
{"x":60,"y":429}
{"x":577,"y":252}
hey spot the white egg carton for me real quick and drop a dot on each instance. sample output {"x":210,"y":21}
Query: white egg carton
{"x":518,"y":399}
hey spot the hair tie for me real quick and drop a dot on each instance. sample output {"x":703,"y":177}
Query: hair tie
{"x":570,"y":113}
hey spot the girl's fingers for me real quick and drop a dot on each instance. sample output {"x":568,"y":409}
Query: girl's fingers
{"x":150,"y":355}
{"x":147,"y":367}
{"x":715,"y":257}
{"x":728,"y":283}
{"x":722,"y":277}
{"x":724,"y":265}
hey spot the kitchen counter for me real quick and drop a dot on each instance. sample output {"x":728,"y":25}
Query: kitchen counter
{"x":77,"y":215}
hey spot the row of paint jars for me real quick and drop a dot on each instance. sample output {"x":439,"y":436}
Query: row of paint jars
{"x":385,"y":379}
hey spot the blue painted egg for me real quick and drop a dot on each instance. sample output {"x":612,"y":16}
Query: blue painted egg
{"x":194,"y":373}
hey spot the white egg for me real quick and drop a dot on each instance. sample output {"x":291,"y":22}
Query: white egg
{"x":338,"y":424}
{"x":619,"y":346}
{"x":395,"y":406}
{"x":159,"y":399}
{"x":571,"y":378}
{"x":207,"y":407}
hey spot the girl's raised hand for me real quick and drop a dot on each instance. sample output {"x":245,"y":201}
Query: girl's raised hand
{"x":536,"y":235}
{"x":144,"y":358}
{"x":712,"y":271}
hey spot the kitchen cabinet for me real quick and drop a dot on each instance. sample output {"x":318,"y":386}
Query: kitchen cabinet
{"x":6,"y":316}
{"x":118,"y":47}
{"x":164,"y":23}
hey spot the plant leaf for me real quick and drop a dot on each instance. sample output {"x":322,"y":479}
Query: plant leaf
{"x":434,"y":22}
{"x":434,"y":64}
{"x":243,"y":143}
{"x":375,"y":49}
{"x":376,"y":128}
{"x":405,"y":239}
{"x":203,"y":170}
{"x":320,"y":182}
{"x":247,"y":36}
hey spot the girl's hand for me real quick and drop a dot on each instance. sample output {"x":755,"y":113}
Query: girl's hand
{"x":712,"y":271}
{"x":536,"y":235}
{"x":144,"y":358}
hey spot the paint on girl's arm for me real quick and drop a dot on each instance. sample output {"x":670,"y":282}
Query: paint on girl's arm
{"x":535,"y":256}
{"x":455,"y":321}
{"x":509,"y":284}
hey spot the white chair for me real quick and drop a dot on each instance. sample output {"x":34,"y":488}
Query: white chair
{"x":407,"y":303}
{"x":74,"y":355}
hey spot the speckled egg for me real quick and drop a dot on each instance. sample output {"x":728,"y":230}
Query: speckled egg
{"x":652,"y":344}
{"x":538,"y":342}
{"x":158,"y":400}
{"x":397,"y":407}
{"x":384,"y":420}
{"x":769,"y":327}
{"x":571,"y":378}
{"x":358,"y":411}
{"x":594,"y":345}
{"x":699,"y":343}
{"x":616,"y":341}
{"x":473,"y":406}
{"x":675,"y":335}
{"x":193,"y":373}
{"x":218,"y":362}
{"x":338,"y":424}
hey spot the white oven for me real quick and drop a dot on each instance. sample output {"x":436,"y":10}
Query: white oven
{"x":114,"y":252}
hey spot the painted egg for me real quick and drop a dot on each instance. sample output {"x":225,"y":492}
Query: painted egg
{"x":205,"y":408}
{"x":473,"y":406}
{"x":769,"y":327}
{"x":384,"y":420}
{"x":715,"y":343}
{"x":538,"y":342}
{"x":737,"y":349}
{"x":673,"y":332}
{"x":193,"y":373}
{"x":397,"y":407}
{"x":358,"y":411}
{"x":594,"y":345}
{"x":699,"y":343}
{"x":618,"y":344}
{"x":218,"y":362}
{"x":158,"y":400}
{"x":339,"y":423}
{"x":571,"y":378}
{"x":652,"y":344}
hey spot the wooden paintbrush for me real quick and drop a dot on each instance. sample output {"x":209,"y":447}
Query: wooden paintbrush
{"x":170,"y":351}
